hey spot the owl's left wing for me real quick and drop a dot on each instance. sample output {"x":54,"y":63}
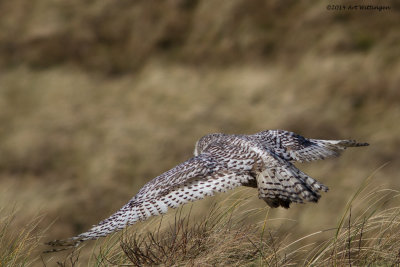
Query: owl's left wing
{"x":194,"y":179}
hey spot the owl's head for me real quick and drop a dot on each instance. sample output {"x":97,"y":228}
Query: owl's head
{"x":205,"y":141}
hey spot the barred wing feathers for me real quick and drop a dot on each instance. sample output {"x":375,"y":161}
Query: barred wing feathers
{"x":294,"y":147}
{"x":192,"y":180}
{"x":262,"y":160}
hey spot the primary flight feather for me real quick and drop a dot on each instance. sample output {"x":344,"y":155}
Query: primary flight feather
{"x":222,"y":162}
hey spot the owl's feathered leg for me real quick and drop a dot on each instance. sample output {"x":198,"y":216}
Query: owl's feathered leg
{"x":277,"y":202}
{"x":250,"y":183}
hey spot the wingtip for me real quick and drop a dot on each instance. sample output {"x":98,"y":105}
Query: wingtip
{"x":361,"y":144}
{"x":352,"y":143}
{"x":60,"y":245}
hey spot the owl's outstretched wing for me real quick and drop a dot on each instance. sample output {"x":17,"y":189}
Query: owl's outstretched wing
{"x":194,"y":179}
{"x":294,"y":147}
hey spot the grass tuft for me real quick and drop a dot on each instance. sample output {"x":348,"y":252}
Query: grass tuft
{"x":17,"y":248}
{"x":367,"y":233}
{"x":220,"y":238}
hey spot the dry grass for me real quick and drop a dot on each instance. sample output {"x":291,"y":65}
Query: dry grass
{"x":371,"y":239}
{"x":18,"y":247}
{"x":215,"y":239}
{"x":99,"y":97}
{"x":366,"y":234}
{"x":223,"y":237}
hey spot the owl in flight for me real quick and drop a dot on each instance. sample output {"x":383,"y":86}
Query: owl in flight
{"x":221,"y":162}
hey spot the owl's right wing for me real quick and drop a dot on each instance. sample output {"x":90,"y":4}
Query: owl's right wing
{"x":294,"y":147}
{"x":191,"y":180}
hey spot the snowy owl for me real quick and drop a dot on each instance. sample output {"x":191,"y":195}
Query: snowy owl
{"x":221,"y":162}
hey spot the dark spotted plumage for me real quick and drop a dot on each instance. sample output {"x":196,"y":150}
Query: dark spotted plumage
{"x":222,"y":162}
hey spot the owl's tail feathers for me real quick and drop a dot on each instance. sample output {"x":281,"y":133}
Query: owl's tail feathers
{"x":285,"y":184}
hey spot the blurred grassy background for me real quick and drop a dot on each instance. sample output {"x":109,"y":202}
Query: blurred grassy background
{"x":99,"y":97}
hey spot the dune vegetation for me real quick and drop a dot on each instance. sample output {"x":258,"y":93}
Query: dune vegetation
{"x":225,"y":237}
{"x":99,"y":97}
